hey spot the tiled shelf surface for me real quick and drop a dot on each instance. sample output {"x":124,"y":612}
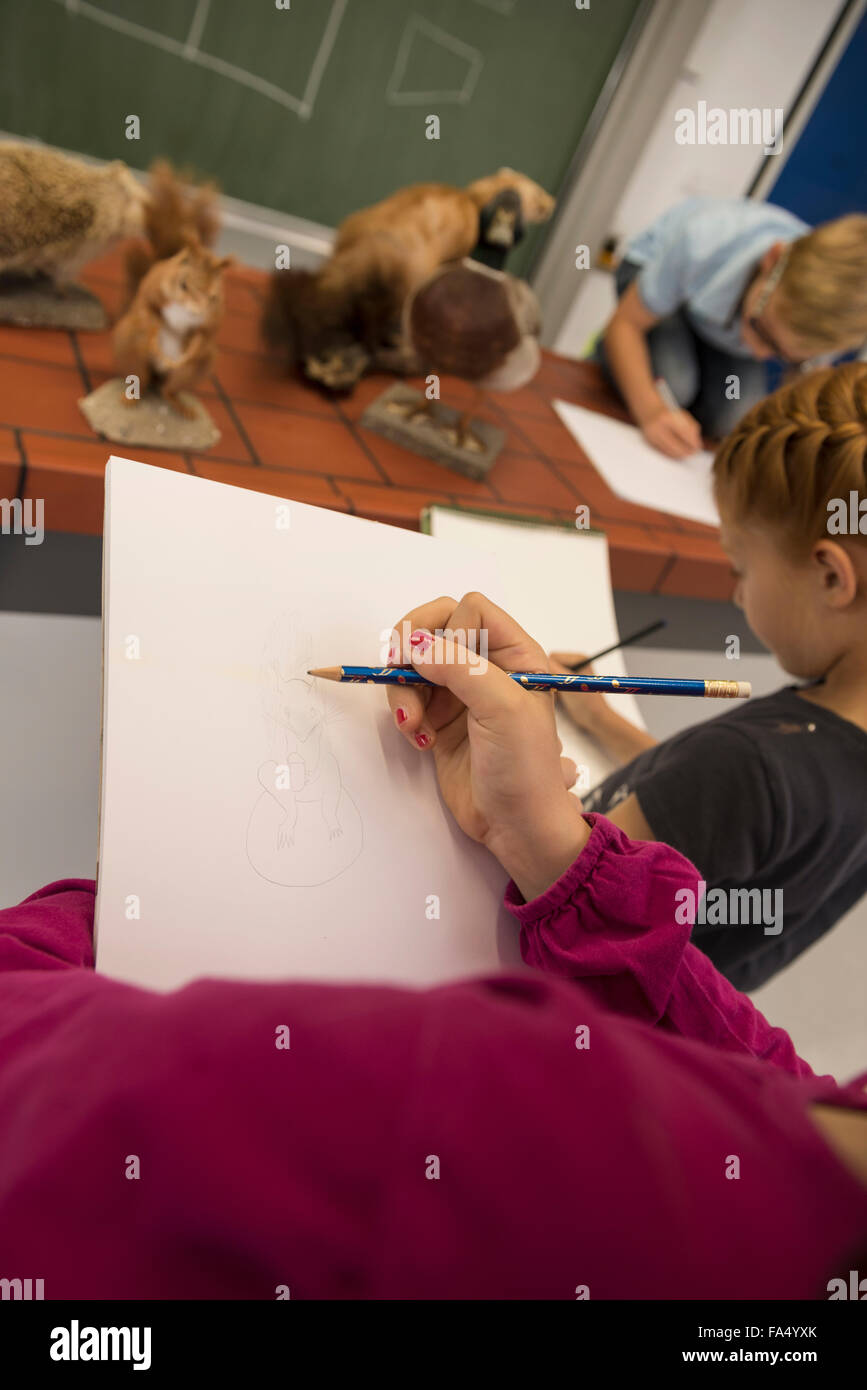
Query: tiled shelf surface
{"x":281,"y":437}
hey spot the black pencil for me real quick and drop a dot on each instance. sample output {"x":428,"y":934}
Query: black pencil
{"x":624,"y":642}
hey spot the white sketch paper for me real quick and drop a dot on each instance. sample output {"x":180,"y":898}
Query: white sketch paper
{"x":354,"y":870}
{"x":636,"y":471}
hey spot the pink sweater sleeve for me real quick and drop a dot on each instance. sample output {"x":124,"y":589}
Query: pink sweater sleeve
{"x":50,"y":930}
{"x":610,"y":921}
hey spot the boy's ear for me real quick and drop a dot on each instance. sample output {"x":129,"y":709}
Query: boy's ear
{"x":837,"y":573}
{"x":772,"y":255}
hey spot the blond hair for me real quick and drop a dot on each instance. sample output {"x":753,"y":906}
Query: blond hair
{"x":823,"y":289}
{"x":796,"y":451}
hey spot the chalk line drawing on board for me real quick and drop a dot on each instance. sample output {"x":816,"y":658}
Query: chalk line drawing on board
{"x":305,"y":828}
{"x":190,"y":51}
{"x":417,"y":28}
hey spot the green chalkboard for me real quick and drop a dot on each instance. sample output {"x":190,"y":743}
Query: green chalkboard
{"x":313,"y":107}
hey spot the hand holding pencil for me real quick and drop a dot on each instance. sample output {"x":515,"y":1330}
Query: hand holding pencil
{"x":489,"y":723}
{"x":495,"y":746}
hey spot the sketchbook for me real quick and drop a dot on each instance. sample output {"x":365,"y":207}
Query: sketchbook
{"x":216,"y":601}
{"x":257,"y":823}
{"x":639,"y":473}
{"x":556,"y":582}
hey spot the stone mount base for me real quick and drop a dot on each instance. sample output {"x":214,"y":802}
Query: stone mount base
{"x":34,"y":301}
{"x":433,"y":435}
{"x":151,"y":422}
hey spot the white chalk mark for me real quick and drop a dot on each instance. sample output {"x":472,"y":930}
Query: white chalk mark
{"x":338,"y":9}
{"x":471,"y":56}
{"x":197,"y":26}
{"x":187,"y":50}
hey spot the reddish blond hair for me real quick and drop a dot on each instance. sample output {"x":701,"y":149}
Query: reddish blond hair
{"x":795,"y":451}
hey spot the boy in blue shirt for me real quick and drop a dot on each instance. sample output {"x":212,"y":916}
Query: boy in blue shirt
{"x":709,"y":293}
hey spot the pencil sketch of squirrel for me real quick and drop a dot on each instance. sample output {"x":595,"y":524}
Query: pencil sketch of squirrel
{"x":58,"y":213}
{"x":304,"y":828}
{"x":306,"y":760}
{"x":167,"y":337}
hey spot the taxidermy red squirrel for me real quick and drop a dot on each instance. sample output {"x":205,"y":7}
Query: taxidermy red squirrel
{"x":167,"y":337}
{"x":334,"y":323}
{"x":179,"y":211}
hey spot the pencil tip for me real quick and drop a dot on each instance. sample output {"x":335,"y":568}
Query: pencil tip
{"x":327,"y":673}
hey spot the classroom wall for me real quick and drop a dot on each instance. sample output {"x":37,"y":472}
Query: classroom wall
{"x":745,"y":55}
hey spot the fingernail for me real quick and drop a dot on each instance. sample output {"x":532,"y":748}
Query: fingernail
{"x":422,"y":740}
{"x":400,"y":715}
{"x":420,"y":640}
{"x":392,"y":655}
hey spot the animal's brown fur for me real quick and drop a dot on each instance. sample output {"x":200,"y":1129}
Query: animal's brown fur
{"x":179,"y":211}
{"x":58,"y":213}
{"x":149,"y":347}
{"x":381,"y":255}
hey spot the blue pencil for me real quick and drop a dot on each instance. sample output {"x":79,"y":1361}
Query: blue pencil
{"x":536,"y":680}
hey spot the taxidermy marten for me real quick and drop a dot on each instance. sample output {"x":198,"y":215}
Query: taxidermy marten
{"x":58,"y":213}
{"x":334,"y":323}
{"x":167,"y":336}
{"x":179,"y":211}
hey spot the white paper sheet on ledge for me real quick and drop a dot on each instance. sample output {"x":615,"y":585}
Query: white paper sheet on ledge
{"x":639,"y":473}
{"x":212,"y":616}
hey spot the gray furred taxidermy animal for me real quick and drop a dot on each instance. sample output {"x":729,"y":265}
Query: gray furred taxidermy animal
{"x":58,"y":213}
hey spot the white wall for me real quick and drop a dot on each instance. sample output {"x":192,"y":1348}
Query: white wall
{"x":747,"y":54}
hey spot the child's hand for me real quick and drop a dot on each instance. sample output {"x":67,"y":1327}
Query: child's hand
{"x":495,"y":746}
{"x":674,"y":432}
{"x":585,"y":711}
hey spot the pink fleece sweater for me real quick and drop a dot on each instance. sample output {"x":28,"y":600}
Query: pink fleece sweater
{"x":454,"y":1142}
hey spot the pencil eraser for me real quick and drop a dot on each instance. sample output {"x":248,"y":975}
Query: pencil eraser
{"x":745,"y":690}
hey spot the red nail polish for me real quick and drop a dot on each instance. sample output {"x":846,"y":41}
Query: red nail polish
{"x":392,"y":655}
{"x":422,"y":740}
{"x":420,"y":640}
{"x":400,"y":716}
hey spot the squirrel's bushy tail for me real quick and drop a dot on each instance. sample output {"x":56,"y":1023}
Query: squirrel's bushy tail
{"x":179,"y":211}
{"x":353,"y":301}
